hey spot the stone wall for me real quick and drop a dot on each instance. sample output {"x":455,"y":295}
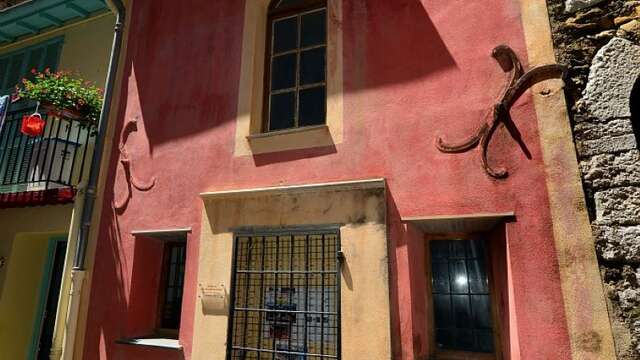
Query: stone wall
{"x":599,"y":40}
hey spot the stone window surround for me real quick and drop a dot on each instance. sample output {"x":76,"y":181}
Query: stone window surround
{"x":361,"y":217}
{"x":249,"y":139}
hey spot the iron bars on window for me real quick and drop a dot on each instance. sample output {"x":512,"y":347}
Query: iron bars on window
{"x":285,"y":296}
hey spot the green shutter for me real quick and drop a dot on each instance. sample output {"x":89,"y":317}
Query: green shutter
{"x":35,"y":61}
{"x":13,"y":68}
{"x":52,"y":56}
{"x":18,"y":65}
{"x":4,"y":71}
{"x":17,"y":161}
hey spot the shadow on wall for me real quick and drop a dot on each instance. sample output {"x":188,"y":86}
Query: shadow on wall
{"x":390,"y":42}
{"x":634,"y":102}
{"x":181,"y":90}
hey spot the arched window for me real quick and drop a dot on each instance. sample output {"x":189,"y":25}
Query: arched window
{"x":634,"y":102}
{"x":295,"y":86}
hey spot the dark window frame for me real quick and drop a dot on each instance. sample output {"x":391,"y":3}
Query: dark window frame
{"x":274,"y":13}
{"x":161,"y":325}
{"x":493,"y":293}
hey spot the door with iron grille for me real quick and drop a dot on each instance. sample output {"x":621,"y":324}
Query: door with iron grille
{"x":285,"y":295}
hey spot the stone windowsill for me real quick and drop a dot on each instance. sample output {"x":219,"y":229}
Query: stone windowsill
{"x":155,"y":342}
{"x":290,"y":139}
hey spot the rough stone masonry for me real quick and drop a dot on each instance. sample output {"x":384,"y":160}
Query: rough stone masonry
{"x":599,"y":40}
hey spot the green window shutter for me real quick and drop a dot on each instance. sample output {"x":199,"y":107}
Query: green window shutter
{"x":17,"y":163}
{"x":13,"y":68}
{"x":10,"y":169}
{"x":18,"y":65}
{"x":35,"y":60}
{"x":52,"y":56}
{"x":4,"y":71}
{"x":25,"y":160}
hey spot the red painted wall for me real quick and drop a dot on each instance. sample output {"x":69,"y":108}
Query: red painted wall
{"x":413,"y":69}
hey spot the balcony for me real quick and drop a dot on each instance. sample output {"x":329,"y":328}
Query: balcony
{"x":45,"y":169}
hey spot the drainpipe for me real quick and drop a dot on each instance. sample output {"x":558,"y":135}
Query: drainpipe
{"x":79,"y":271}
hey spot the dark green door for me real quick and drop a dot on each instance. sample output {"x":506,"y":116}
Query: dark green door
{"x":51,"y":303}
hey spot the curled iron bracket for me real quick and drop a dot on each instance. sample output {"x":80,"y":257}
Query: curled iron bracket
{"x":140,"y":185}
{"x":519,"y":81}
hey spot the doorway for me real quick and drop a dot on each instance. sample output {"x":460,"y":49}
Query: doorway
{"x":49,"y":295}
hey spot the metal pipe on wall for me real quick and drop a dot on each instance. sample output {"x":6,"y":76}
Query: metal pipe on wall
{"x":79,"y":271}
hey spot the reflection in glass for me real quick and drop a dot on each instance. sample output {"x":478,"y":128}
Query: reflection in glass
{"x":461,"y":299}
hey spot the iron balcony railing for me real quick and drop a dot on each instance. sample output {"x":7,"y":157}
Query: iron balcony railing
{"x":56,"y":159}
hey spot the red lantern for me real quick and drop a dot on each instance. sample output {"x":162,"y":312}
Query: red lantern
{"x":32,"y":125}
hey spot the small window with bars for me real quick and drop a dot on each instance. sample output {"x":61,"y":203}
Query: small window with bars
{"x":462,"y":302}
{"x":170,"y":304}
{"x":285,"y":296}
{"x":295,"y":90}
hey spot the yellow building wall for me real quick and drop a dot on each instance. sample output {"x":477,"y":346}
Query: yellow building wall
{"x":19,"y":306}
{"x":86,"y":49}
{"x":50,"y":219}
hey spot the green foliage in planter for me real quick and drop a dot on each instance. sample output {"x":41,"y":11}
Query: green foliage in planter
{"x":64,"y":91}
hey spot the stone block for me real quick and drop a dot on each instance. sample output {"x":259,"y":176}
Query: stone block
{"x":611,"y":170}
{"x":618,"y":206}
{"x":614,"y":70}
{"x":575,"y":5}
{"x":618,"y":243}
{"x":607,"y":145}
{"x":596,"y":130}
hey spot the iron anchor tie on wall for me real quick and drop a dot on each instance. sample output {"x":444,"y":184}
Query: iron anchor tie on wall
{"x":519,"y":82}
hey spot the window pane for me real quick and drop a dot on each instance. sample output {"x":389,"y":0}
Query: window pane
{"x":478,"y":283}
{"x":459,"y":279}
{"x":461,"y":311}
{"x":481,"y":305}
{"x":313,"y":105}
{"x":314,"y":28}
{"x":440,"y":249}
{"x":458,"y":249}
{"x":174,"y":279}
{"x":462,"y":321}
{"x":282,"y":111}
{"x":283,"y":72}
{"x":285,"y":35}
{"x":443,"y":315}
{"x":312,"y":66}
{"x":477,"y":249}
{"x":440,"y":274}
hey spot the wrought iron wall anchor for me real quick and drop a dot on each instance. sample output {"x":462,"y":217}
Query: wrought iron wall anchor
{"x":519,"y":81}
{"x":127,"y":165}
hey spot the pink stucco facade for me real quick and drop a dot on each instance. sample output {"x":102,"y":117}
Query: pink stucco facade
{"x":413,"y":70}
